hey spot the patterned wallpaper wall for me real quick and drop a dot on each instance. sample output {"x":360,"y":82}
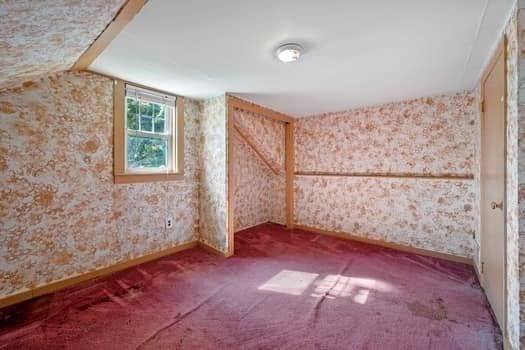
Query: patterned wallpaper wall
{"x":435,"y":215}
{"x":47,"y":36}
{"x":253,"y":182}
{"x":213,"y":173}
{"x":434,"y":136}
{"x":267,"y":134}
{"x":512,"y":208}
{"x":60,"y":212}
{"x":259,"y":192}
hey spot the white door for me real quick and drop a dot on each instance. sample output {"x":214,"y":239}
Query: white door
{"x":493,"y":187}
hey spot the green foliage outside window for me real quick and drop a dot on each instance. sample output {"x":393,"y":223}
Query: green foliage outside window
{"x":142,"y":151}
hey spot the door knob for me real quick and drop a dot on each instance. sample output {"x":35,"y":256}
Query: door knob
{"x":495,"y":205}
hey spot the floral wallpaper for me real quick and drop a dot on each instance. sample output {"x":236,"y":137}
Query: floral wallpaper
{"x":61,"y":213}
{"x":213,"y":174}
{"x":259,"y":192}
{"x":253,"y":182}
{"x":435,"y":215}
{"x":267,"y":134}
{"x":434,"y":136}
{"x":47,"y":36}
{"x":476,"y":252}
{"x":515,"y":227}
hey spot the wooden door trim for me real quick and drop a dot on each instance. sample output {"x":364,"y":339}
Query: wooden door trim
{"x":500,"y":50}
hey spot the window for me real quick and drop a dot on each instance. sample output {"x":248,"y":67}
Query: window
{"x":148,"y":135}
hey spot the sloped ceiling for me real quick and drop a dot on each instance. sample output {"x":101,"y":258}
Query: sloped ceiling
{"x":47,"y":36}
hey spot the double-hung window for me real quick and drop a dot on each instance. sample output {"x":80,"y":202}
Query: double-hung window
{"x":148,"y":135}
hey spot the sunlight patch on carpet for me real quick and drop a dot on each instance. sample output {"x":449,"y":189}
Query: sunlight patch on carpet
{"x":333,"y":286}
{"x":289,"y":282}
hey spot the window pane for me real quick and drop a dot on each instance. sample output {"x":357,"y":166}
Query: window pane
{"x":132,"y":113}
{"x":146,"y":116}
{"x":146,"y":108}
{"x":146,"y":123}
{"x":146,"y":152}
{"x":159,"y":112}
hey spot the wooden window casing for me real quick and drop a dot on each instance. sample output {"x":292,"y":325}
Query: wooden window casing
{"x":121,"y":174}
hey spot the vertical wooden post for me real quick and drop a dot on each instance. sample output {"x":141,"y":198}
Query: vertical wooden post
{"x":231,"y":190}
{"x":290,"y":168}
{"x":119,"y":128}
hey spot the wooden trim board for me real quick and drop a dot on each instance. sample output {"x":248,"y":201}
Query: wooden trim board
{"x":16,"y":298}
{"x":233,"y":103}
{"x":290,"y":176}
{"x":239,"y":103}
{"x":112,"y":77}
{"x":178,"y":132}
{"x":211,"y":249}
{"x":478,"y":274}
{"x":506,"y":265}
{"x":254,"y":148}
{"x":499,"y":50}
{"x":230,"y":128}
{"x":123,"y":17}
{"x":506,"y":344}
{"x":389,"y":175}
{"x":395,"y":246}
{"x":141,"y":178}
{"x":56,"y":286}
{"x":119,"y":127}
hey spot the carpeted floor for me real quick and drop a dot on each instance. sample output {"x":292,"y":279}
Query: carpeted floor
{"x":282,"y":290}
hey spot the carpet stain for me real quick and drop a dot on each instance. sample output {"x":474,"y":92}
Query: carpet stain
{"x":435,"y":311}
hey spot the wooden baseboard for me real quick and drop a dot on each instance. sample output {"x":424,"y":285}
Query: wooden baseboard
{"x":70,"y":281}
{"x":55,"y":286}
{"x":385,"y":244}
{"x":506,"y":344}
{"x":478,"y":273}
{"x":212,"y":250}
{"x":16,"y":298}
{"x":259,"y":224}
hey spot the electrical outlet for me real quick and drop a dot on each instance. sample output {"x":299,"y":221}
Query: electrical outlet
{"x":169,"y":223}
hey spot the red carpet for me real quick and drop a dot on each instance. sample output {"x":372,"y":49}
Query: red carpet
{"x":282,"y":290}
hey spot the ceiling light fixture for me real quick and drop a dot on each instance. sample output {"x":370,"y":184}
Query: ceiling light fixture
{"x":289,"y":52}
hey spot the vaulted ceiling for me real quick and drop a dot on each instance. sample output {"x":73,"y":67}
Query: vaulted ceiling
{"x":47,"y":36}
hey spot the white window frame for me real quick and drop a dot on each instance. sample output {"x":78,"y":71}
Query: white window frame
{"x":169,"y":121}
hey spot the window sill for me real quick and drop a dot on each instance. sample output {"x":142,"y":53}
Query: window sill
{"x":138,"y":178}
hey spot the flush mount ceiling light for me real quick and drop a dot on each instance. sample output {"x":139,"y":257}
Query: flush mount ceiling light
{"x":289,"y":52}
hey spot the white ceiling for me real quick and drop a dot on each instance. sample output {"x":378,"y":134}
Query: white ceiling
{"x":358,"y":53}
